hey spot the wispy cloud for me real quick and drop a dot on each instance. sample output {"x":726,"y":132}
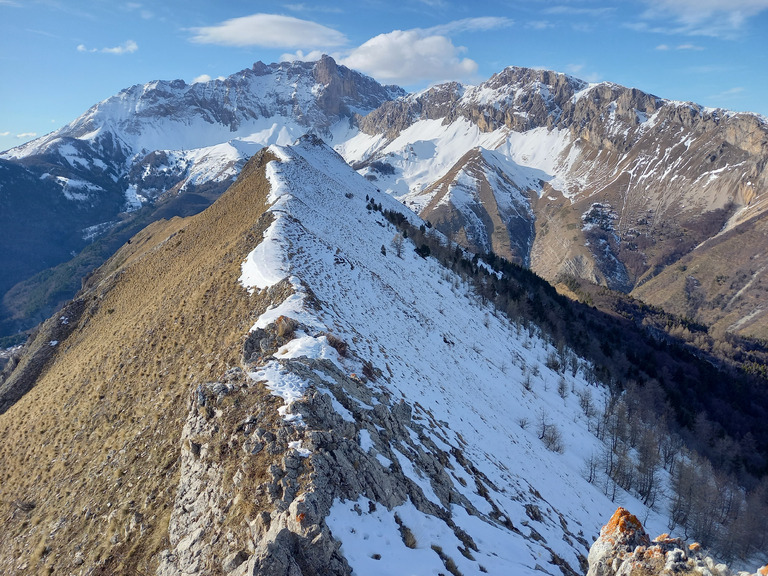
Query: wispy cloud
{"x":718,"y":18}
{"x":539,"y":24}
{"x":480,"y":24}
{"x":729,"y":94}
{"x":666,"y":47}
{"x":579,"y":70}
{"x":6,"y":133}
{"x":24,"y":135}
{"x":127,"y":47}
{"x":311,"y":56}
{"x":411,"y":56}
{"x":578,"y":11}
{"x":730,"y":97}
{"x":42,"y":33}
{"x":301,"y":7}
{"x":140,"y":9}
{"x":270,"y":31}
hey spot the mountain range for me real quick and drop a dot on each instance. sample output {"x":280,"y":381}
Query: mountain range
{"x":332,"y":356}
{"x":659,"y":199}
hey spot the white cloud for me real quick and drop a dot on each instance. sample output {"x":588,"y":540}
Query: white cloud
{"x":729,"y":94}
{"x":312,"y":8}
{"x":312,"y":56}
{"x":6,"y":133}
{"x":127,"y":47}
{"x":411,"y":56}
{"x":573,"y":11}
{"x":270,"y":31}
{"x":662,"y":47}
{"x":26,"y":135}
{"x":143,"y":12}
{"x":421,"y":55}
{"x":704,"y":17}
{"x":579,"y":70}
{"x":201,"y":78}
{"x":730,"y":97}
{"x":539,"y":24}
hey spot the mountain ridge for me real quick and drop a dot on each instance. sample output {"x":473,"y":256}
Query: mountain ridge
{"x":285,"y":383}
{"x":675,"y":175}
{"x":218,"y":427}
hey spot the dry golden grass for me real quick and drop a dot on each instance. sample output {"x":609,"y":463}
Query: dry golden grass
{"x":721,"y":283}
{"x":95,"y":444}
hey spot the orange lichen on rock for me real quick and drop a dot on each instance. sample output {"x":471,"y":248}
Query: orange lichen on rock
{"x":661,"y":537}
{"x":695,"y":547}
{"x":763,"y":571}
{"x":622,"y":524}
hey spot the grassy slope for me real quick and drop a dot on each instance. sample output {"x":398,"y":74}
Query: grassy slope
{"x":94,"y":446}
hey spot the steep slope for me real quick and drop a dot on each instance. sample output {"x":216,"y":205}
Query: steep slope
{"x":268,"y":388}
{"x":483,"y":203}
{"x":164,"y":146}
{"x":629,"y":182}
{"x":90,"y":454}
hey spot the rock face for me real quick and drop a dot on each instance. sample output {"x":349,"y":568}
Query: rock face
{"x":482,"y":207}
{"x":683,"y":182}
{"x":624,"y":549}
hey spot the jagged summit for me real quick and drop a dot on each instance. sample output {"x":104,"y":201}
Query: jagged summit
{"x":173,"y":115}
{"x":676,"y":181}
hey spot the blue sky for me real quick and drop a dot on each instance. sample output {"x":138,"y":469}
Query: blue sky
{"x":59,"y":57}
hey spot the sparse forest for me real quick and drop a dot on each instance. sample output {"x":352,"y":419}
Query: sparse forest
{"x":695,"y":414}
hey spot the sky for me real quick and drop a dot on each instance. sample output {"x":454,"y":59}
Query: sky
{"x":59,"y":57}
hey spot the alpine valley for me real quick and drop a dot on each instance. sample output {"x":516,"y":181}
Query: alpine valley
{"x":294,"y":322}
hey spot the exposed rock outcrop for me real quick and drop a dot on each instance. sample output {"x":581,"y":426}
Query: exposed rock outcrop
{"x":624,"y":549}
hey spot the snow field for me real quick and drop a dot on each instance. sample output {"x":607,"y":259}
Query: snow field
{"x":445,"y":353}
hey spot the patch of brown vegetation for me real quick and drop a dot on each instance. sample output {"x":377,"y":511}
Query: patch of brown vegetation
{"x":95,"y":444}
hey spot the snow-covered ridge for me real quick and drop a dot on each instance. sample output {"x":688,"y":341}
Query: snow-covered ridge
{"x":208,"y":129}
{"x":464,"y":370}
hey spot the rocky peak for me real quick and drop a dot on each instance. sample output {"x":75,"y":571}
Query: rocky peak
{"x":515,"y":79}
{"x":346,"y":90}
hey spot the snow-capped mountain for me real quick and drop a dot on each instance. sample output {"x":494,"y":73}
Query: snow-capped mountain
{"x":165,"y":135}
{"x":298,"y":390}
{"x":622,"y":188}
{"x":673,"y":180}
{"x":167,"y":146}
